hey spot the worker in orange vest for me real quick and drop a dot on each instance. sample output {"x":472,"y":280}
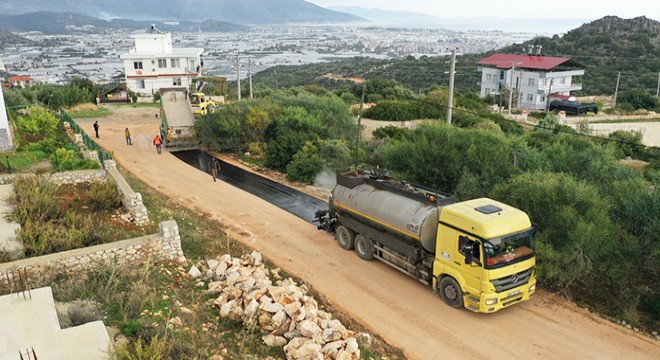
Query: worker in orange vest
{"x":158,"y":142}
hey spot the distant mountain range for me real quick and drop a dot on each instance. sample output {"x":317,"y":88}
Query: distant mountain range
{"x":64,"y":23}
{"x":230,"y":11}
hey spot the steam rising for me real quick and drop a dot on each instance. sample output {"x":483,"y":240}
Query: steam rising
{"x":326,"y":179}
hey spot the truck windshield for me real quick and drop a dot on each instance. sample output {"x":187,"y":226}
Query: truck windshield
{"x":509,"y":249}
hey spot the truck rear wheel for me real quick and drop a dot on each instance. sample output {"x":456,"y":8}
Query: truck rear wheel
{"x":345,"y":237}
{"x":451,"y":292}
{"x":364,"y":247}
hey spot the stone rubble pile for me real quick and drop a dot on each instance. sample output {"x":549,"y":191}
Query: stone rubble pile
{"x":283,"y":311}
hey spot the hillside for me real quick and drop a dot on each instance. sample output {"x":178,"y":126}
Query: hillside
{"x":231,"y":11}
{"x":8,"y":38}
{"x":608,"y":46}
{"x":605,"y":47}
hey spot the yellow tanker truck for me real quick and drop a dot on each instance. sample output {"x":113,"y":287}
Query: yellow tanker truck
{"x":478,"y":254}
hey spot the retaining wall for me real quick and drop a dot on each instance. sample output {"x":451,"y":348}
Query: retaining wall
{"x":164,"y":245}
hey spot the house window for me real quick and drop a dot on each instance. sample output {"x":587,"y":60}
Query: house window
{"x":139,"y":83}
{"x":543,"y":98}
{"x":176,"y":82}
{"x":137,"y":65}
{"x":175,"y":63}
{"x":530,"y":97}
{"x":162,"y":63}
{"x":562,"y":81}
{"x":502,"y":75}
{"x":530,"y":82}
{"x":489,"y":77}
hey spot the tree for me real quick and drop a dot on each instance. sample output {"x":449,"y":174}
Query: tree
{"x":441,"y":156}
{"x":572,"y":220}
{"x":637,"y":99}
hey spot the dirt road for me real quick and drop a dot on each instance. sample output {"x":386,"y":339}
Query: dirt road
{"x":404,"y":312}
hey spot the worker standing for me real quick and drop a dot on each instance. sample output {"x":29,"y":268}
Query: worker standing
{"x":128,"y":137}
{"x":96,"y":127}
{"x":214,"y":167}
{"x":158,"y":142}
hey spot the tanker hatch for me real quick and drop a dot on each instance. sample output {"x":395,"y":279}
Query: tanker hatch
{"x":488,"y":209}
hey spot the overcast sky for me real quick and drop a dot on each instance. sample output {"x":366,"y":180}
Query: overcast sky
{"x":556,"y":9}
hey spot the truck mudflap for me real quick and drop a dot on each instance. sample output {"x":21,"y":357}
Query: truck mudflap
{"x":492,"y":302}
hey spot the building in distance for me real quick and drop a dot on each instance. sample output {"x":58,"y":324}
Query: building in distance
{"x":153,"y":63}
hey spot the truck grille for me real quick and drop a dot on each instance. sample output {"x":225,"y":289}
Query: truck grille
{"x":511,"y":281}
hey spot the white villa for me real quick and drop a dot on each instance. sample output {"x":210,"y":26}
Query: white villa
{"x":153,"y":63}
{"x":537,"y":78}
{"x":6,"y":143}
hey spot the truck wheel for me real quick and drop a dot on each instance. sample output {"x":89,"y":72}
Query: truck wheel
{"x":345,"y":237}
{"x":364,"y":247}
{"x":212,"y":109}
{"x":451,"y":292}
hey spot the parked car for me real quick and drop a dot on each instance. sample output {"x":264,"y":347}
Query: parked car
{"x":573,"y":107}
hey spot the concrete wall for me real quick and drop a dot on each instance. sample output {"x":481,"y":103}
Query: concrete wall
{"x":165,"y":245}
{"x":64,"y":177}
{"x":131,"y":199}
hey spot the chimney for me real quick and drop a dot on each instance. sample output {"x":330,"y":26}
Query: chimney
{"x":538,"y":50}
{"x":530,"y":50}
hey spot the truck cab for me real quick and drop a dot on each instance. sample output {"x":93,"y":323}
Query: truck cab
{"x":485,"y":259}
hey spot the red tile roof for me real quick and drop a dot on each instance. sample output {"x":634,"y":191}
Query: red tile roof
{"x":505,"y":61}
{"x":20,"y":78}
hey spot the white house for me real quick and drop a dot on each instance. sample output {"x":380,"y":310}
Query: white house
{"x":6,"y":143}
{"x":537,"y":78}
{"x":153,"y":63}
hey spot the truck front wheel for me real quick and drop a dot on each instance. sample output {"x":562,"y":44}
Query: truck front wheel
{"x":345,"y":237}
{"x":364,"y":247}
{"x":451,"y":292}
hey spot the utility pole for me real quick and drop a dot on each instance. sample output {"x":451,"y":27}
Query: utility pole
{"x":238,"y":75}
{"x":519,"y":87}
{"x":657,"y":91}
{"x":513,"y":69}
{"x":275,"y":75}
{"x":616,"y":90}
{"x":359,"y":125}
{"x":547,"y":106}
{"x":250,"y":77}
{"x":450,"y":97}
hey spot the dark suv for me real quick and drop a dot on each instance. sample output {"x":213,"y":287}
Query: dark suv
{"x":573,"y":107}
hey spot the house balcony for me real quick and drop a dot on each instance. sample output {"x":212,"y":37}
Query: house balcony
{"x":559,"y":88}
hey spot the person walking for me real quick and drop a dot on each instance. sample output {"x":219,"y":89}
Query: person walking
{"x":158,"y":142}
{"x":214,"y":166}
{"x":128,"y":137}
{"x":96,"y":127}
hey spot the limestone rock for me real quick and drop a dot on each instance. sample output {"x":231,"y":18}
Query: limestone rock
{"x":274,"y":341}
{"x":194,"y":272}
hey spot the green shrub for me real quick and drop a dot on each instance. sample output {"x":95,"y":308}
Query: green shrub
{"x":68,"y":159}
{"x":42,"y":238}
{"x":73,"y":231}
{"x":104,"y":196}
{"x":33,"y":200}
{"x":154,"y":349}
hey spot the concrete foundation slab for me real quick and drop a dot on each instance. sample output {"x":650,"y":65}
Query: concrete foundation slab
{"x":28,"y":323}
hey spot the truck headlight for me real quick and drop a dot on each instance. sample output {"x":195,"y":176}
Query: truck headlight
{"x":491,"y":301}
{"x":532,"y":288}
